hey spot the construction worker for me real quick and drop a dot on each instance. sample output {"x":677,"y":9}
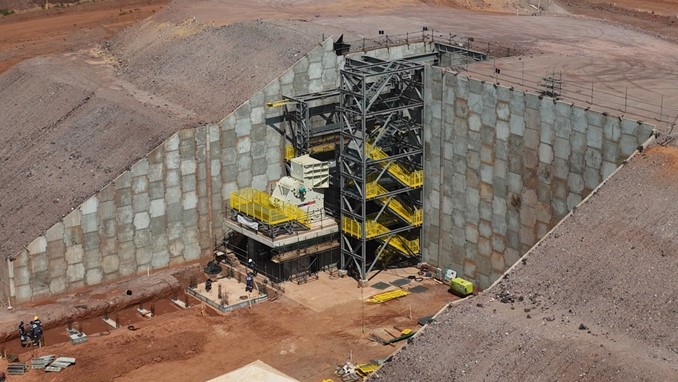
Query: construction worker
{"x":252,"y":266}
{"x":249,"y":282}
{"x":36,"y":325}
{"x":23,"y":336}
{"x":208,"y":285}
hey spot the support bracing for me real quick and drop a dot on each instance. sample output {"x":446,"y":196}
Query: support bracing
{"x":311,"y":123}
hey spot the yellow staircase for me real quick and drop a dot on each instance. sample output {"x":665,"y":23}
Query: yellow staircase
{"x":373,"y":229}
{"x":413,"y":216}
{"x":412,"y":179}
{"x":257,"y":205}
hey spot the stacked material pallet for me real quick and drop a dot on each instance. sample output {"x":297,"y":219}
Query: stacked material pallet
{"x":52,"y":364}
{"x":17,"y":368}
{"x":60,"y":364}
{"x":42,"y":362}
{"x":355,"y":373}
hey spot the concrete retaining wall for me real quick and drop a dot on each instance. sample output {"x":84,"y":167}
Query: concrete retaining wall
{"x":503,"y":166}
{"x":169,"y":207}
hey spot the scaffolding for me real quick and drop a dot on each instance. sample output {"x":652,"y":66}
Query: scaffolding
{"x":381,"y":162}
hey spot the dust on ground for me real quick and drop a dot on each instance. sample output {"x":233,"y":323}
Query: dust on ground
{"x":582,"y":304}
{"x":63,"y":29}
{"x":305,"y":339}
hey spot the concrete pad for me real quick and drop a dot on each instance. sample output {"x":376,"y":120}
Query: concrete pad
{"x":329,"y":291}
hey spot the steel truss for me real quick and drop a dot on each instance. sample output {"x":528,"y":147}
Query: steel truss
{"x":381,"y":163}
{"x":310,"y":118}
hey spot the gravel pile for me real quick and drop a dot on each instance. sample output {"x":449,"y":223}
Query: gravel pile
{"x":211,"y":70}
{"x":596,"y":301}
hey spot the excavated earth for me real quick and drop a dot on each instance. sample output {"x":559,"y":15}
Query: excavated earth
{"x":98,"y":301}
{"x":595,"y":301}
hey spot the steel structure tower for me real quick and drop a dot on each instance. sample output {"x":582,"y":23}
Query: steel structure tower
{"x":381,"y":163}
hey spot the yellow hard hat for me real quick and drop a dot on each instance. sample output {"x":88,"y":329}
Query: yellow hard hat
{"x":35,"y":318}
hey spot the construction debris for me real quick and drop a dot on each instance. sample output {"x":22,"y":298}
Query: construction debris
{"x":351,"y":373}
{"x":404,"y":334}
{"x":425,"y":320}
{"x":387,"y":296}
{"x":227,"y":258}
{"x":366,"y":369}
{"x":212,"y":267}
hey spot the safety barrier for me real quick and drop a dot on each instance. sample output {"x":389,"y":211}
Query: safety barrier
{"x":412,"y":179}
{"x":374,"y":229}
{"x":414,"y":216}
{"x":258,"y":205}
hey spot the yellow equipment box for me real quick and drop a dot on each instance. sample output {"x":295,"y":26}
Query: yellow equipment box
{"x":461,"y":287}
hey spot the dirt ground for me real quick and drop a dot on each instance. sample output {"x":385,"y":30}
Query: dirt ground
{"x":659,"y":17}
{"x":56,"y":30}
{"x":37,"y":32}
{"x":582,"y":304}
{"x":303,"y":333}
{"x":105,"y":98}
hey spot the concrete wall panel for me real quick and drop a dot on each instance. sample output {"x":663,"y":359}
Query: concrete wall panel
{"x":514,"y":164}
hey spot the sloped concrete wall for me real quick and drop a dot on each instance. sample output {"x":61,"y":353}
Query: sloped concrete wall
{"x":168,"y":208}
{"x":502,"y":167}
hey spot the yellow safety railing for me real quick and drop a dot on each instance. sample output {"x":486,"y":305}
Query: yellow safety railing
{"x":414,"y":216}
{"x":372,"y":229}
{"x":409,"y":178}
{"x":257,"y":205}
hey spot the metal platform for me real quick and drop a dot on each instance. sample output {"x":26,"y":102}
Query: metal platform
{"x":321,"y":228}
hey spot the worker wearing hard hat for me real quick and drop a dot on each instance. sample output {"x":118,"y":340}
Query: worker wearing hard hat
{"x":252,"y":266}
{"x":36,"y":327}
